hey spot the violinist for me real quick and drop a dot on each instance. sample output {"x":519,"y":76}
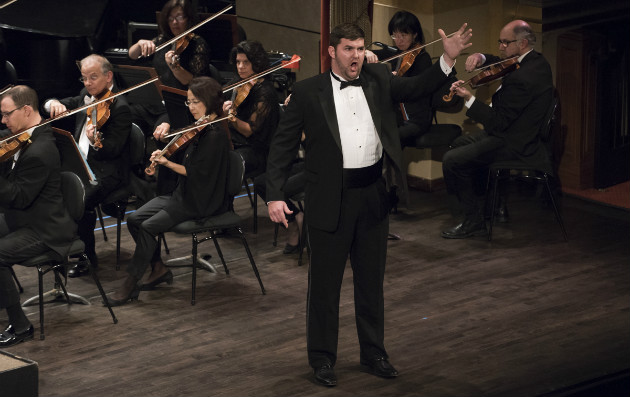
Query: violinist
{"x":201,"y":191}
{"x":33,"y":217}
{"x":111,"y":127}
{"x":511,"y":123}
{"x":414,"y":116}
{"x":175,"y":70}
{"x":255,"y":105}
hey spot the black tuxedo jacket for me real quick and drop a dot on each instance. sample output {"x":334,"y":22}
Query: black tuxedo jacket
{"x":110,"y":163}
{"x":519,"y":108}
{"x":312,"y":110}
{"x":30,"y":193}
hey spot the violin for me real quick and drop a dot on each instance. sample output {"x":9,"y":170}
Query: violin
{"x":180,"y":45}
{"x":407,"y":60}
{"x":240,"y":94}
{"x":488,"y":74}
{"x":183,"y":137}
{"x":12,"y":144}
{"x":97,"y":115}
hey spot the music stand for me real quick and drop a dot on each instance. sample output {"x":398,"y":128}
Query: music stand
{"x":129,"y":75}
{"x":71,"y":158}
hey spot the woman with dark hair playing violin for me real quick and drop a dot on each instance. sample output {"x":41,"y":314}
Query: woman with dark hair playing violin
{"x":415,"y":116}
{"x":200,"y":192}
{"x":255,"y":105}
{"x":175,"y":70}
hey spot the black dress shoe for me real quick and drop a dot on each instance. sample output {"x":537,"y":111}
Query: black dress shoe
{"x":325,"y":375}
{"x":291,"y":249}
{"x":9,"y":337}
{"x":379,"y":366}
{"x":468,"y":228}
{"x":79,"y":270}
{"x":165,"y":278}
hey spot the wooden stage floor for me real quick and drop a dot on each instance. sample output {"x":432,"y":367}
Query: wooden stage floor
{"x":524,"y":315}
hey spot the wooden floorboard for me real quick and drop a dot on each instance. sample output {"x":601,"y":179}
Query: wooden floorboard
{"x":523,"y":315}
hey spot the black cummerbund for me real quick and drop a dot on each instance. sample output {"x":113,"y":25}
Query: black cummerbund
{"x":362,"y":177}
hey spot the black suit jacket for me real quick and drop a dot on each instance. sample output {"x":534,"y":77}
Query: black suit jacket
{"x":110,"y":163}
{"x":31,"y":194}
{"x":519,"y":108}
{"x":312,"y":110}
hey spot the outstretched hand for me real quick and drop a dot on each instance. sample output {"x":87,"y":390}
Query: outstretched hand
{"x":277,"y":212}
{"x":455,"y":44}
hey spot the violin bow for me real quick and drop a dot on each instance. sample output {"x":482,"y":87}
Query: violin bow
{"x":179,"y":36}
{"x":492,"y":64}
{"x":295,"y":58}
{"x":80,"y":108}
{"x":413,"y":49}
{"x":6,"y":88}
{"x":194,"y":126}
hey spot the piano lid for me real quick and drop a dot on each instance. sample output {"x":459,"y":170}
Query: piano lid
{"x":60,"y":18}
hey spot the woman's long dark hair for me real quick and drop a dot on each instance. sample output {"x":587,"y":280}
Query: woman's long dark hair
{"x":163,"y":27}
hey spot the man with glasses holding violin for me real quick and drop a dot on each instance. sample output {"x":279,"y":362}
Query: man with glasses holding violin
{"x":110,"y":163}
{"x":511,"y":123}
{"x":33,"y":217}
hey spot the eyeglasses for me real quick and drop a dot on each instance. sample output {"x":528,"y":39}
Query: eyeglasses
{"x":178,"y":18}
{"x":8,"y":114}
{"x":189,"y":102}
{"x":92,"y":78}
{"x":400,"y":36}
{"x":506,"y":42}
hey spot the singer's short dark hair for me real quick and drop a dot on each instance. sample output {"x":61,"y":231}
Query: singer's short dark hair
{"x":348,"y":31}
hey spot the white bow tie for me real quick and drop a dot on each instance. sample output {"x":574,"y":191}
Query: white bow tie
{"x":88,"y":99}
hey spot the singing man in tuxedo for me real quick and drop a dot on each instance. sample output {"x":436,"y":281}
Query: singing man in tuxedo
{"x":511,"y":124}
{"x":33,"y":217}
{"x":348,"y":119}
{"x":110,"y":163}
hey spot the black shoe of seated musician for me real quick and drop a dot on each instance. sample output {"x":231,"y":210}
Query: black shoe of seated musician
{"x":9,"y":337}
{"x":468,"y":228}
{"x":380,"y":366}
{"x":325,"y":375}
{"x":83,"y":266}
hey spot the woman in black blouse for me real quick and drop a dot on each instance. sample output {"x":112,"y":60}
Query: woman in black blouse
{"x":176,"y":17}
{"x":257,"y":116}
{"x":200,"y":192}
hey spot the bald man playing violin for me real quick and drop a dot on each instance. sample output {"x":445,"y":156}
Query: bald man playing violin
{"x":109,"y":162}
{"x":512,"y":122}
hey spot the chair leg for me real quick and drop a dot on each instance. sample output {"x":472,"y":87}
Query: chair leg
{"x":495,"y":189}
{"x":162,"y":240}
{"x":555,"y":207}
{"x":251,"y":259}
{"x":255,"y":211}
{"x":93,"y":271}
{"x":216,"y":245}
{"x":195,"y":242}
{"x":119,"y":218}
{"x":17,"y":282}
{"x":249,"y":193}
{"x":40,"y":277}
{"x":100,"y":219}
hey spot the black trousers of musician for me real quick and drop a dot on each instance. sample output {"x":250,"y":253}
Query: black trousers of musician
{"x":144,"y":226}
{"x":15,"y":247}
{"x":465,"y":168}
{"x":94,"y":195}
{"x":362,"y":235}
